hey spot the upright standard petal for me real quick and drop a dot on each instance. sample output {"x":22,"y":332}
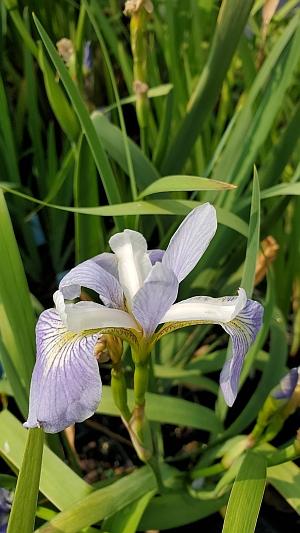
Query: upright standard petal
{"x":66,"y":384}
{"x":155,"y":297}
{"x":91,"y":275}
{"x":134,"y":264}
{"x":90,"y":315}
{"x":242,"y":330}
{"x":206,"y":308}
{"x":108,"y":261}
{"x":190,"y":241}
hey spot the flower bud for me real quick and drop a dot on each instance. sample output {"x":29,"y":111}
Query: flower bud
{"x":287,"y":385}
{"x":279,"y":405}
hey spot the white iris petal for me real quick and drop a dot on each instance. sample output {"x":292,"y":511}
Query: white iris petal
{"x":134,"y":265}
{"x":90,"y":315}
{"x":207,"y":308}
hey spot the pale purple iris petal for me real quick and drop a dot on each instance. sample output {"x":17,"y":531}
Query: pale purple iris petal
{"x":286,"y":386}
{"x":91,"y":275}
{"x":155,"y":297}
{"x":108,"y":261}
{"x":242,"y":330}
{"x":156,"y":256}
{"x":190,"y":241}
{"x":66,"y":384}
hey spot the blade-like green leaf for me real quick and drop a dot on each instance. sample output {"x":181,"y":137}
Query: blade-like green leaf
{"x":284,"y":189}
{"x":174,"y":510}
{"x":256,"y":117}
{"x":9,"y":153}
{"x":246,"y":495}
{"x":112,"y":139}
{"x":22,"y":515}
{"x":34,"y":117}
{"x":185,"y":183}
{"x":154,"y":207}
{"x":58,"y":101}
{"x":101,"y":160}
{"x":285,"y":478}
{"x":282,"y":152}
{"x":184,"y":375}
{"x":102,"y":503}
{"x":16,"y":384}
{"x":93,"y":12}
{"x":58,"y":482}
{"x":88,"y":238}
{"x":128,"y":519}
{"x":232,"y":19}
{"x":12,"y":8}
{"x":253,"y":240}
{"x":17,"y":320}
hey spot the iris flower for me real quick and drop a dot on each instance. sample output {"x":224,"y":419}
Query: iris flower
{"x":137,"y":289}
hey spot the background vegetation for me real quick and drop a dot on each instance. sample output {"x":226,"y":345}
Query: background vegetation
{"x":85,"y":152}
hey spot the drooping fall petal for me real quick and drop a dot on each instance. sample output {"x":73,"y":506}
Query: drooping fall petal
{"x":242,"y":330}
{"x":66,"y":385}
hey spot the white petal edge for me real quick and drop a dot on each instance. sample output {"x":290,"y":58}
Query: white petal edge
{"x":90,"y":315}
{"x":206,"y":308}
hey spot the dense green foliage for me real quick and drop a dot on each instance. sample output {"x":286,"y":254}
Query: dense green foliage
{"x":84,"y":153}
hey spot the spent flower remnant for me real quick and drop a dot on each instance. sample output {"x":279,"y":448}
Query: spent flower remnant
{"x":138,"y":289}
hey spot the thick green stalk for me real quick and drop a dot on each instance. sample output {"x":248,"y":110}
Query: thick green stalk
{"x":141,"y":376}
{"x":119,"y":391}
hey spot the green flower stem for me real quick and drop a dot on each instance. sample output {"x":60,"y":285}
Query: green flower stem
{"x":137,"y":425}
{"x":153,"y":462}
{"x":141,"y":377}
{"x":273,"y":415}
{"x":119,"y":391}
{"x":290,"y":453}
{"x":269,"y":410}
